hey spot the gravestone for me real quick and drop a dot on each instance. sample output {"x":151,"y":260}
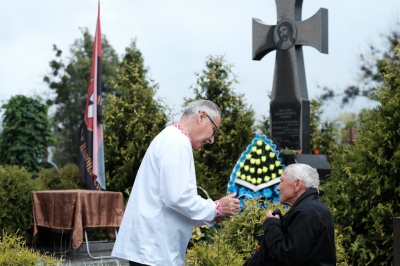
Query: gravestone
{"x":290,"y":106}
{"x":319,"y":162}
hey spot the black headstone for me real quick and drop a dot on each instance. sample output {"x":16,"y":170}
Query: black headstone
{"x":290,"y":106}
{"x":318,"y":162}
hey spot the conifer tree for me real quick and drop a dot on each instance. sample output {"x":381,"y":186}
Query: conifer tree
{"x":214,"y":163}
{"x":363,"y":192}
{"x":26,"y":133}
{"x":132,"y":119}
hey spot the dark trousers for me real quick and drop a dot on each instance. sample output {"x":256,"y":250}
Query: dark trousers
{"x":131,"y":263}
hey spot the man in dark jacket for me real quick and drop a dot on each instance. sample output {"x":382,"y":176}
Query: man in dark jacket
{"x":305,"y":234}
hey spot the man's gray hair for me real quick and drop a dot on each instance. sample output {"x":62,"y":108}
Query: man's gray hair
{"x":308,"y":175}
{"x":208,"y":106}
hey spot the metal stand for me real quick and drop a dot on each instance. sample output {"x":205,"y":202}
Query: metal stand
{"x":61,"y":244}
{"x":98,"y":257}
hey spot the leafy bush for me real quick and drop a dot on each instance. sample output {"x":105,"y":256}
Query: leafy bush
{"x":342,"y":257}
{"x":67,"y":177}
{"x":232,"y":241}
{"x":14,"y":252}
{"x":16,"y":185}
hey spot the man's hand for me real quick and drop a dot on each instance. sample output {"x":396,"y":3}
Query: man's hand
{"x":230,"y":205}
{"x":272,"y":214}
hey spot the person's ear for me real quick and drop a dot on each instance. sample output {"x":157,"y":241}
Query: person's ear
{"x":201,"y":115}
{"x":298,"y":185}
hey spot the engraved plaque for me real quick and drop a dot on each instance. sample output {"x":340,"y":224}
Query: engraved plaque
{"x":285,"y":124}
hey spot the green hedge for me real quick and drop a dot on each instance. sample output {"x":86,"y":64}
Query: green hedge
{"x":67,"y":177}
{"x":16,"y":213}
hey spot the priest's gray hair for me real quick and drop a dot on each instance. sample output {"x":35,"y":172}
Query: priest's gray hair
{"x":193,"y":108}
{"x":308,"y":175}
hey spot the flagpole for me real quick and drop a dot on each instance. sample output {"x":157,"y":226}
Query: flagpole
{"x":92,"y":151}
{"x":95,"y":100}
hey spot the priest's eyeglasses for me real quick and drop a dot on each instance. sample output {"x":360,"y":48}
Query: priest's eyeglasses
{"x":215,"y":126}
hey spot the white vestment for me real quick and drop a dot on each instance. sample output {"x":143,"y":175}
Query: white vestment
{"x":164,"y":205}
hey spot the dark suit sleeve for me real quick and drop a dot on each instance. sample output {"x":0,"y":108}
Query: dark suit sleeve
{"x":259,"y":258}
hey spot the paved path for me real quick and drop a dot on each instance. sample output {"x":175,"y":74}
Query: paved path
{"x":99,"y":255}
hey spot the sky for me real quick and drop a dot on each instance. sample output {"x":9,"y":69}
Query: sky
{"x":176,"y":37}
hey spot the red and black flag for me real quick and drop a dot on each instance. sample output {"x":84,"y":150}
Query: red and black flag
{"x":91,"y":161}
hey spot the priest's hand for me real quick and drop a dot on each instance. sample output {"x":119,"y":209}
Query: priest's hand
{"x":229,"y":204}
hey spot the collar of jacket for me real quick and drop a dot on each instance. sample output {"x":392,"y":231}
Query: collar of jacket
{"x":310,"y":192}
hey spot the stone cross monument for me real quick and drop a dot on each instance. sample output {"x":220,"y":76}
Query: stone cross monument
{"x":290,"y":106}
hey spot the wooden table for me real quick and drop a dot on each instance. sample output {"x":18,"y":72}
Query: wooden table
{"x":76,"y":211}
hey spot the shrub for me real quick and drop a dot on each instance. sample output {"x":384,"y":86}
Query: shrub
{"x":342,"y":257}
{"x":67,"y":177}
{"x":16,"y":185}
{"x":14,"y":252}
{"x":49,"y":178}
{"x":232,"y":241}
